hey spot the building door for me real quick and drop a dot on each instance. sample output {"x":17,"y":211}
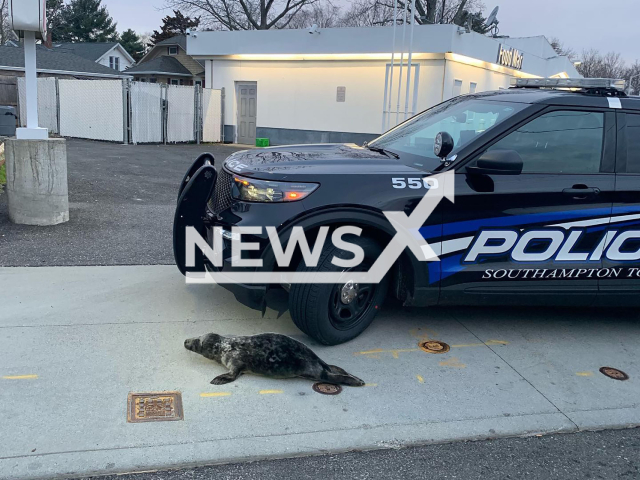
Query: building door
{"x":247,"y":99}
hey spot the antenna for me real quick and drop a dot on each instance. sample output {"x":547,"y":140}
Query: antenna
{"x":492,"y":22}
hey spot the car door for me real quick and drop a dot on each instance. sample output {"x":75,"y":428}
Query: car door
{"x":524,"y":237}
{"x":622,"y":257}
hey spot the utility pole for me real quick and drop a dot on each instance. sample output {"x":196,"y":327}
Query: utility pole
{"x":37,"y":188}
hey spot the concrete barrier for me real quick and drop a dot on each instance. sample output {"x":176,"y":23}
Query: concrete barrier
{"x":37,"y":191}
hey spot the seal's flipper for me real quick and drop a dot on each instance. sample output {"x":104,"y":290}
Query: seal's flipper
{"x":225,"y":378}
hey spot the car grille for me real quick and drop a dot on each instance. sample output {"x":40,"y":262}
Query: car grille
{"x":221,"y":198}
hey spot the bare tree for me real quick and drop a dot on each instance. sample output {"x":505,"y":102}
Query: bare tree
{"x":561,"y":49}
{"x":365,"y":13}
{"x":613,"y":66}
{"x":266,"y":14}
{"x":632,"y":76}
{"x":243,"y":14}
{"x":595,"y":65}
{"x":6,"y":32}
{"x":324,"y":15}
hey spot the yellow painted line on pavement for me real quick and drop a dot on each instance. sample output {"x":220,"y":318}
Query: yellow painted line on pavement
{"x":395,"y":352}
{"x":584,"y":374}
{"x":488,"y":342}
{"x":20,"y":377}
{"x":215,"y":394}
{"x":420,"y":379}
{"x":370,"y":385}
{"x":452,"y":362}
{"x":270,"y":392}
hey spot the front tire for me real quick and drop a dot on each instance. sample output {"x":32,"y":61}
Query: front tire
{"x":332,"y":313}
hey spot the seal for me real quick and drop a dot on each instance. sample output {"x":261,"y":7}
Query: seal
{"x":268,"y":354}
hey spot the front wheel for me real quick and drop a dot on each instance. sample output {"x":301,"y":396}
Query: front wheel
{"x":337,"y":313}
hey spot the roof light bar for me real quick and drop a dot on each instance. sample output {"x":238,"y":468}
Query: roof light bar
{"x":583,"y":83}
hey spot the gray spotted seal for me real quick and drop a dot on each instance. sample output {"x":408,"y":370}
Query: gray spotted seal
{"x":269,"y":354}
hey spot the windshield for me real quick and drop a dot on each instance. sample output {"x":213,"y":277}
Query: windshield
{"x":463,"y":118}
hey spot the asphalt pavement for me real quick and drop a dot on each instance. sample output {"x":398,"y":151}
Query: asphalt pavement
{"x":121,"y":204}
{"x":611,"y":454}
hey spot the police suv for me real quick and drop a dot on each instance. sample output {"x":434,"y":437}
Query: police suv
{"x":546,"y":207}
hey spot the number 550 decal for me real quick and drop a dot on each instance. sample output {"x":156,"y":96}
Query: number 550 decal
{"x":415,"y":182}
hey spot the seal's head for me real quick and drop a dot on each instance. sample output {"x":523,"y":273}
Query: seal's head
{"x":193,"y":344}
{"x":207,"y":345}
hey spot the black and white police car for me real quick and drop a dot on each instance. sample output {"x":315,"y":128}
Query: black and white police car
{"x":547,"y":205}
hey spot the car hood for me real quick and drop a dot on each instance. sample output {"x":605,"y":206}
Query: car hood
{"x":311,"y":159}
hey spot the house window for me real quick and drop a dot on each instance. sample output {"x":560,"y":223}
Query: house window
{"x":144,"y":80}
{"x":199,"y":82}
{"x":174,"y":81}
{"x":114,"y":62}
{"x":153,"y":80}
{"x":173,"y":50}
{"x":181,"y":81}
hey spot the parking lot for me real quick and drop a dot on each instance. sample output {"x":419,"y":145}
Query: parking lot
{"x":105,"y":314}
{"x":121,"y":200}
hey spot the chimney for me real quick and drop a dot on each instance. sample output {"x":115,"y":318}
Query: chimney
{"x":48,"y":41}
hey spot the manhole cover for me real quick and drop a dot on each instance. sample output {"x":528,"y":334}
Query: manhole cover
{"x":614,"y":373}
{"x":327,"y":388}
{"x":434,"y":346}
{"x":154,"y":407}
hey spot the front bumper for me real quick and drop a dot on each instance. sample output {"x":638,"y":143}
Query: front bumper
{"x":197,"y":188}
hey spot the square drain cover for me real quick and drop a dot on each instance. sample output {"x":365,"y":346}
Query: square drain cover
{"x":154,"y":407}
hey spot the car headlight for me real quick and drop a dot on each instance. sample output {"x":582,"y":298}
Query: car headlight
{"x":254,"y":190}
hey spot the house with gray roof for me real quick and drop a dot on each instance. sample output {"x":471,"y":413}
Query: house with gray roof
{"x":168,"y":62}
{"x":109,"y":54}
{"x":55,"y":63}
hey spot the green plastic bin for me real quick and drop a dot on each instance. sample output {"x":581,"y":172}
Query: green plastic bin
{"x":262,"y":142}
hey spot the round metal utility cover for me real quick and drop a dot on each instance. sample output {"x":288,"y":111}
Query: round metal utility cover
{"x":614,"y":373}
{"x":327,"y":388}
{"x":434,"y":346}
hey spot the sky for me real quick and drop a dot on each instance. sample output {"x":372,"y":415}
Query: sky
{"x":578,"y":23}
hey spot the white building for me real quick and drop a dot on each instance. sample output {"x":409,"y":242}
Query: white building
{"x":292,"y":86}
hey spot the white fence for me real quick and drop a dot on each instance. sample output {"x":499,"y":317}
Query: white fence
{"x":181,"y":113}
{"x":211,"y":115}
{"x":146,"y":112}
{"x":124,"y":111}
{"x":47,"y":103}
{"x":92,"y":109}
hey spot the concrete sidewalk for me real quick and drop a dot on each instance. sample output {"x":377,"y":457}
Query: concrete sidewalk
{"x":76,"y":340}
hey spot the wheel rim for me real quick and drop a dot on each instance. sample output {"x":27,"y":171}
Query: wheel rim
{"x":348,"y":304}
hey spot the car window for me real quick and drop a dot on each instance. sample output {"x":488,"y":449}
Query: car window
{"x":558,"y":142}
{"x":464,"y":118}
{"x":633,"y":143}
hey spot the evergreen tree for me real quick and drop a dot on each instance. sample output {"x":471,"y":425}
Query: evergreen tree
{"x":55,"y":9}
{"x":87,"y":21}
{"x":172,"y":26}
{"x":131,"y":42}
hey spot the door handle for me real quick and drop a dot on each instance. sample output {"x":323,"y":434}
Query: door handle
{"x":581,"y":192}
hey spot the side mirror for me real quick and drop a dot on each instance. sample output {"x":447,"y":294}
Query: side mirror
{"x":442,"y":145}
{"x":498,"y":162}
